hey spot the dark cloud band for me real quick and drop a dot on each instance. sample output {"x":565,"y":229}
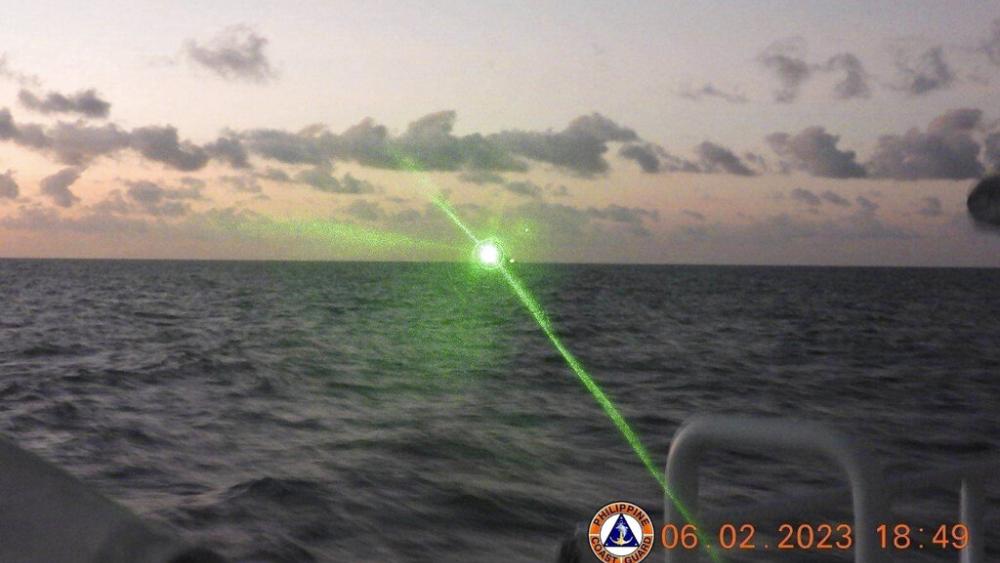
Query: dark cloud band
{"x":86,"y":103}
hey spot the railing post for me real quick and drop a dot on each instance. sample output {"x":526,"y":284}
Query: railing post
{"x":749,"y":434}
{"x":972,"y":510}
{"x":683,"y":462}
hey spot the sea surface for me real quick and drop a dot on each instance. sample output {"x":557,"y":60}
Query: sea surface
{"x":415,"y":412}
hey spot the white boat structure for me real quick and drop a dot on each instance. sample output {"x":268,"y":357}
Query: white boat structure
{"x":871,"y":493}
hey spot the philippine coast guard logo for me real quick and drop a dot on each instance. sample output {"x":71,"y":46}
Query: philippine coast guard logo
{"x":621,"y":532}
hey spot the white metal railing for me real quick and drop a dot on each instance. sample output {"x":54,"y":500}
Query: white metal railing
{"x":871,"y":494}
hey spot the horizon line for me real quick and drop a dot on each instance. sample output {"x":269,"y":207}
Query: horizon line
{"x":528,"y":263}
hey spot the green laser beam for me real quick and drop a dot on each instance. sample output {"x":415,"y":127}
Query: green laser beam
{"x":443,"y":205}
{"x":538,"y":314}
{"x":609,"y":408}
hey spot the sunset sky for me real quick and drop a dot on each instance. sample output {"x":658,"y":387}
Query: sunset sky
{"x":738,"y":132}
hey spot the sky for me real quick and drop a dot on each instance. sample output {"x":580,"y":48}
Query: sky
{"x":710,"y":132}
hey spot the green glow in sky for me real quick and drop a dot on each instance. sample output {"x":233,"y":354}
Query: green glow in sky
{"x":326,"y":231}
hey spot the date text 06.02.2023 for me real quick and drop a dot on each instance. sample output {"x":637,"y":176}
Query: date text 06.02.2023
{"x":805,"y":536}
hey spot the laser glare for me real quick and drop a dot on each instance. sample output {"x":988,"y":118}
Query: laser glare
{"x":489,"y":254}
{"x":538,"y":314}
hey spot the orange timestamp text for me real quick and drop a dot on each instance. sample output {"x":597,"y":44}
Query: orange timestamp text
{"x":808,"y":536}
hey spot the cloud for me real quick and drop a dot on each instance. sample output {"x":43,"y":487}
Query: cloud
{"x":757,"y":160}
{"x":320,"y":177}
{"x":30,"y":136}
{"x":8,"y":129}
{"x":111,"y":216}
{"x":579,"y":148}
{"x":991,"y":151}
{"x":785,"y":228}
{"x":931,"y":207}
{"x":653,"y":158}
{"x":245,"y":183}
{"x":619,"y":214}
{"x":928,"y":73}
{"x":236,"y":53}
{"x":867,"y":205}
{"x":366,"y":142}
{"x":480,"y":177}
{"x":813,"y":200}
{"x":411,"y":216}
{"x":192,"y":182}
{"x":984,"y":202}
{"x":599,"y":127}
{"x":556,"y":223}
{"x":867,"y":226}
{"x":365,"y":210}
{"x":85,"y":102}
{"x":290,"y":148}
{"x":8,"y":73}
{"x":715,"y":158}
{"x":991,"y":46}
{"x":644,"y":155}
{"x":229,"y":149}
{"x":156,"y":200}
{"x":78,"y":144}
{"x":428,"y":144}
{"x":815,"y":151}
{"x":57,"y":186}
{"x":429,"y":141}
{"x":113,"y":204}
{"x":276,"y":175}
{"x":632,"y":217}
{"x":858,"y":226}
{"x":144,"y":191}
{"x":709,"y":91}
{"x":855,"y":81}
{"x":957,"y":121}
{"x":946,"y":151}
{"x":162,"y":144}
{"x":48,"y":220}
{"x":8,"y":186}
{"x":671,"y":163}
{"x":562,"y":224}
{"x":525,"y":188}
{"x":805,"y":196}
{"x":835,"y":198}
{"x":785,"y":61}
{"x":352,"y":185}
{"x":557,"y":191}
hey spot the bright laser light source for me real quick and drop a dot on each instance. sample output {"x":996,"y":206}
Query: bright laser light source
{"x":489,"y":254}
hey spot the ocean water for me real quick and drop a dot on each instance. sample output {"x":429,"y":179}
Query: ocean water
{"x":412,"y":412}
